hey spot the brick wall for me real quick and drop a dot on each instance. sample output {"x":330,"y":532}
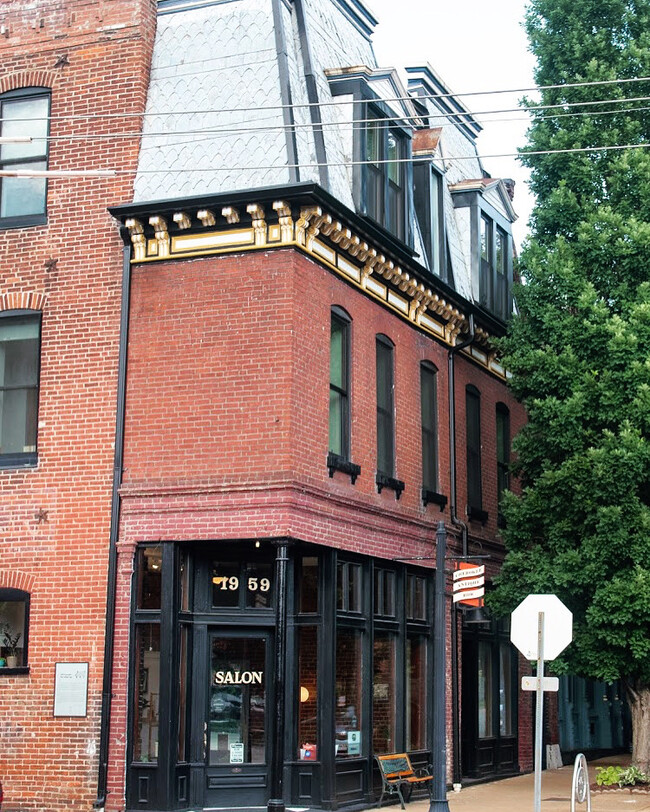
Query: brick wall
{"x":54,"y":518}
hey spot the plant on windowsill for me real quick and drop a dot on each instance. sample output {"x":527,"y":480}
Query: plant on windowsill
{"x":10,"y":644}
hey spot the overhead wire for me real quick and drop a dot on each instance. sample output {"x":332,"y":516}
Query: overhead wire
{"x":347,"y":101}
{"x":353,"y":124}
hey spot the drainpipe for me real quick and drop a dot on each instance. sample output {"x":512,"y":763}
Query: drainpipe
{"x":455,"y":709}
{"x":109,"y":641}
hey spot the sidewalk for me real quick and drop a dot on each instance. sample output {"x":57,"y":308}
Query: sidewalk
{"x":517,"y":795}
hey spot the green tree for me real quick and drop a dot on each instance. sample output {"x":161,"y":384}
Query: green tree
{"x":579,"y":352}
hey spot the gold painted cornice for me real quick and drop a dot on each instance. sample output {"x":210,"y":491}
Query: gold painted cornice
{"x":327,"y":240}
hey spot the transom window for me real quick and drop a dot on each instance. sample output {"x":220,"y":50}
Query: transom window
{"x":385,"y":151}
{"x":19,"y":384}
{"x":24,"y":113}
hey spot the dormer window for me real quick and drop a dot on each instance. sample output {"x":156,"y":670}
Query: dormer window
{"x":493,"y":277}
{"x":386,"y":148}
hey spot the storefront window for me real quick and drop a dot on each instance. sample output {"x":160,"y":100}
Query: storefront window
{"x":349,"y":679}
{"x":308,"y":699}
{"x":308,"y":584}
{"x":182,"y":694}
{"x":149,"y":578}
{"x":147,"y":693}
{"x":505,"y":689}
{"x":383,"y":693}
{"x":484,"y":690}
{"x":416,"y":693}
{"x":238,"y":701}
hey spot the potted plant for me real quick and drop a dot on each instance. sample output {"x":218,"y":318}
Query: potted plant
{"x":10,"y":643}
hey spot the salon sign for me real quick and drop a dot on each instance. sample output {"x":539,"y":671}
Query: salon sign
{"x":238,"y":677}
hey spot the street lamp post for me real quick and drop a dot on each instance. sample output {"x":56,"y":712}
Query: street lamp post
{"x":439,"y":783}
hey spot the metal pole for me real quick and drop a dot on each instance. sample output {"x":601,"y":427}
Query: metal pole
{"x":439,"y":783}
{"x":276,"y":801}
{"x":539,"y":712}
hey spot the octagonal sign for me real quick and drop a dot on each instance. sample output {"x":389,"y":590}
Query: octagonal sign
{"x":558,"y":626}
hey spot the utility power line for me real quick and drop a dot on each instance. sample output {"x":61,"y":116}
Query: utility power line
{"x":347,"y":101}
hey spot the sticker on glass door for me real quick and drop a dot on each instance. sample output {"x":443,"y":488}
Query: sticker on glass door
{"x":237,"y":701}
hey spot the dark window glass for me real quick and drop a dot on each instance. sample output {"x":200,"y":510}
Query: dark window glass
{"x":416,"y":597}
{"x":348,"y":587}
{"x":19,"y":373}
{"x":349,"y":679}
{"x":308,"y":585}
{"x":485,"y":697}
{"x":427,"y":188}
{"x":429,"y":411}
{"x":149,"y":578}
{"x":384,"y":592}
{"x":339,"y":386}
{"x":308,"y":700}
{"x":506,"y":694}
{"x":23,"y":113}
{"x":147,"y":693}
{"x":236,"y":586}
{"x":416,"y":693}
{"x":473,"y":418}
{"x":503,"y":450}
{"x":385,"y":409}
{"x":226,"y":581}
{"x":14,"y":624}
{"x":485,"y":277}
{"x":384,"y":693}
{"x":385,"y":174}
{"x":182,"y":693}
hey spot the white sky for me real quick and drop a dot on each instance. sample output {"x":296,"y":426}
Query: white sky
{"x":472,"y":45}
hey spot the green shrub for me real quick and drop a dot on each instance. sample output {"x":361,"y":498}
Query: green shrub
{"x":623,"y":776}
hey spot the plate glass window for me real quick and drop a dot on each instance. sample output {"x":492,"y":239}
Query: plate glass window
{"x":19,"y":373}
{"x":24,"y":114}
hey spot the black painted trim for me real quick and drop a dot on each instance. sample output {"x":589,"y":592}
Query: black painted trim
{"x":338,"y":463}
{"x":382,"y":481}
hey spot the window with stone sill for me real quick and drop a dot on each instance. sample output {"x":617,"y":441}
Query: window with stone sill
{"x":24,"y":113}
{"x":14,"y":628}
{"x":20,"y":334}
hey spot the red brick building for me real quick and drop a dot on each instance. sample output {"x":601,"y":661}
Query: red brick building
{"x":67,"y":70}
{"x":230,"y":436}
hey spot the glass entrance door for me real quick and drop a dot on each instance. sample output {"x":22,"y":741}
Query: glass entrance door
{"x":237,"y":729}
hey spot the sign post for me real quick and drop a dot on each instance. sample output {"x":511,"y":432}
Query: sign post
{"x":541,"y":628}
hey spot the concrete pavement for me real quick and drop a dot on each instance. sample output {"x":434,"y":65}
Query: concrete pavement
{"x":517,"y":794}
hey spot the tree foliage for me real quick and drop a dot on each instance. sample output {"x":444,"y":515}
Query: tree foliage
{"x":579,"y":349}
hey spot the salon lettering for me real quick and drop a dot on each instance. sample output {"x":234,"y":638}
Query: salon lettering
{"x":238,"y":677}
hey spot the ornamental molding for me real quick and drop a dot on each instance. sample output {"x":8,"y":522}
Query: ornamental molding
{"x":186,"y":234}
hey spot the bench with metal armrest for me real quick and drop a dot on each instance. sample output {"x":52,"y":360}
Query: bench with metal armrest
{"x":397,"y":773}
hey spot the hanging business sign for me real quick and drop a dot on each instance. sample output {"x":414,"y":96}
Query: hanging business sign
{"x":469,"y":584}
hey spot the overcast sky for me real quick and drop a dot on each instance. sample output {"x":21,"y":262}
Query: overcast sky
{"x":473,"y":45}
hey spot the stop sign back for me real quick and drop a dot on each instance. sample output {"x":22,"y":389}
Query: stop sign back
{"x":558,"y":626}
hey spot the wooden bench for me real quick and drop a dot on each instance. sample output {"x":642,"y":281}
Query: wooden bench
{"x":397,"y":773}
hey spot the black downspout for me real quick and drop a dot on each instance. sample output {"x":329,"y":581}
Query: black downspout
{"x":453,"y":506}
{"x":114,"y":531}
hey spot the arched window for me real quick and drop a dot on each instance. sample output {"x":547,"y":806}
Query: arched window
{"x":24,"y":113}
{"x":14,"y":627}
